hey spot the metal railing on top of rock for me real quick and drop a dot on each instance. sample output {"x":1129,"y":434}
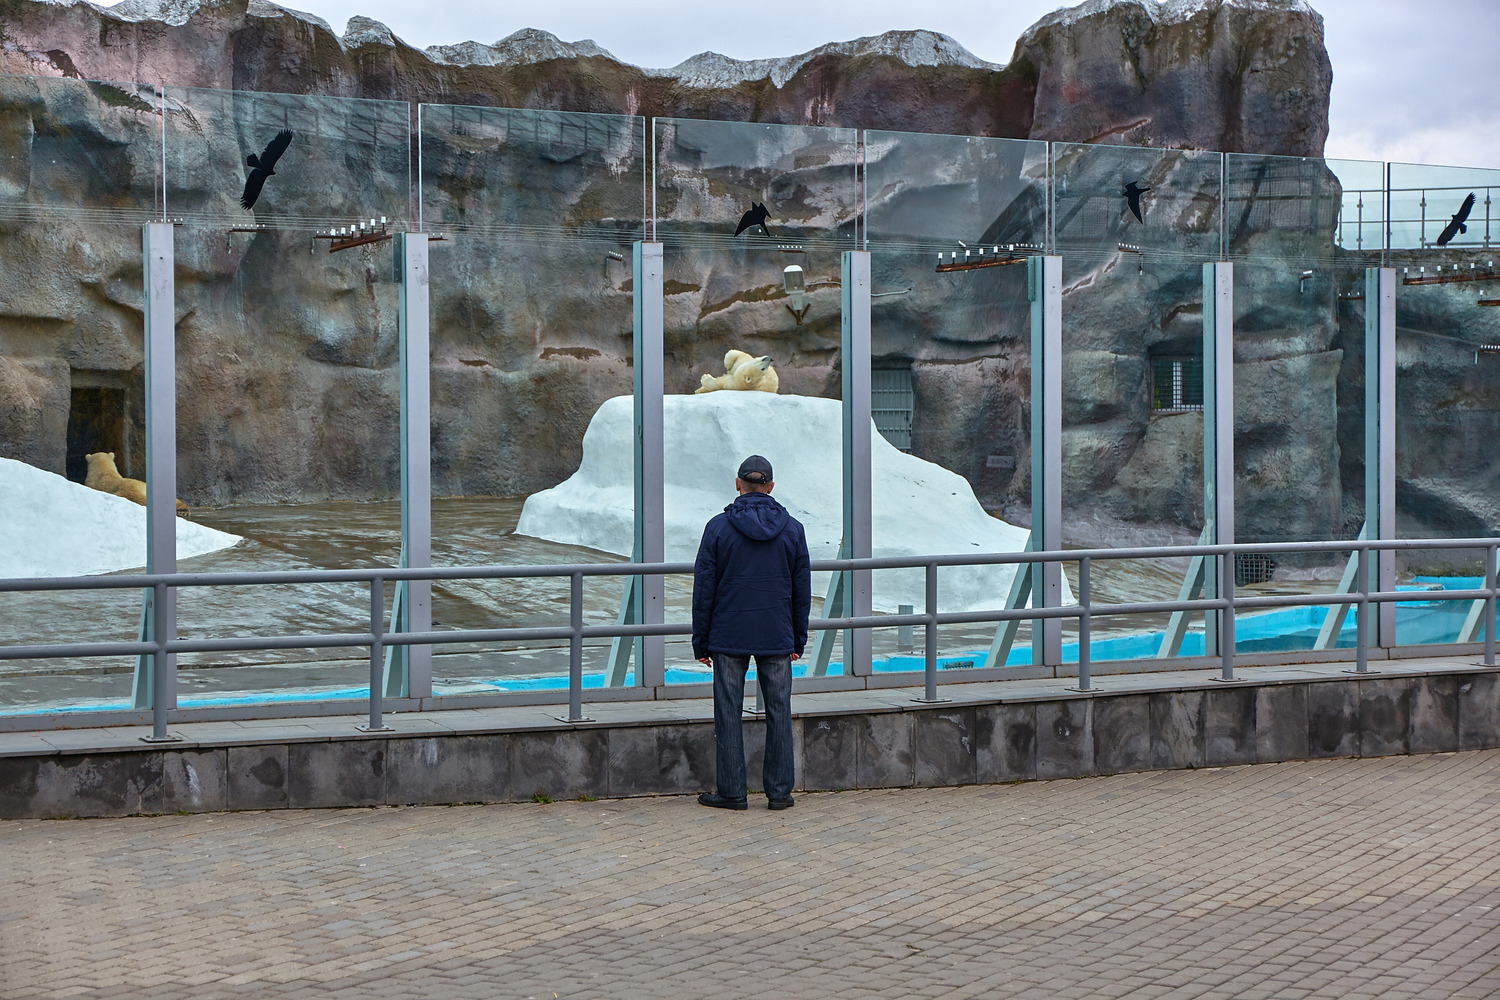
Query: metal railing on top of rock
{"x":1226,"y":605}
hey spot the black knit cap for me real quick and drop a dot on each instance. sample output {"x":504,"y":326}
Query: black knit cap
{"x":755,"y":469}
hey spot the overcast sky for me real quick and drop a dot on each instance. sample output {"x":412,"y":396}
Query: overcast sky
{"x":1413,"y":82}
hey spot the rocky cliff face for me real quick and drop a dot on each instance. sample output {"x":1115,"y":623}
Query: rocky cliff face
{"x":286,"y":353}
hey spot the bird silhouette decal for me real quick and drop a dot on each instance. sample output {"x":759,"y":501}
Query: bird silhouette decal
{"x":1456,"y":224}
{"x":264,"y":166}
{"x":757,"y":216}
{"x":1132,"y":195}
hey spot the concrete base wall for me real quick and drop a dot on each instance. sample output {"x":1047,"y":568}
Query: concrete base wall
{"x":891,"y":745}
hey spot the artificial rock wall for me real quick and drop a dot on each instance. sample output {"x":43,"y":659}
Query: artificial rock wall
{"x":286,"y":381}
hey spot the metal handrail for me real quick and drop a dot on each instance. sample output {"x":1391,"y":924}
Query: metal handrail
{"x":377,"y":638}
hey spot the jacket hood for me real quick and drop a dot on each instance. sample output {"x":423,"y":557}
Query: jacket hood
{"x":757,"y":516}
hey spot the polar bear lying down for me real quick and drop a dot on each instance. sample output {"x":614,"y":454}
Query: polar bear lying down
{"x":741,"y":371}
{"x":105,"y":477}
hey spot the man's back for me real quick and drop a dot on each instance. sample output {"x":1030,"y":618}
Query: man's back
{"x":751,"y":584}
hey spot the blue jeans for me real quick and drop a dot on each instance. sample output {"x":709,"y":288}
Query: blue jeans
{"x":775,"y":673}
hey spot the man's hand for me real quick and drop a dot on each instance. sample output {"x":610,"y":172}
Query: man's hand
{"x":796,"y":657}
{"x":706,"y":661}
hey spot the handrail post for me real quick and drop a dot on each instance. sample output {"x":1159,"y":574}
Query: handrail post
{"x":1362,"y":615}
{"x":1226,"y":616}
{"x":160,"y":630}
{"x":1489,"y":607}
{"x":1085,"y":679}
{"x":931,"y":638}
{"x":575,"y":649}
{"x":376,"y":723}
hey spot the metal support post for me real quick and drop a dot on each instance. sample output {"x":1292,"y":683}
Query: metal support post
{"x":159,"y":620}
{"x":1044,"y":286}
{"x":1489,"y":607}
{"x":1085,"y":665}
{"x":644,"y":599}
{"x":1218,"y":438}
{"x":930,"y":635}
{"x":408,"y":669}
{"x":1380,"y":438}
{"x":1362,"y":616}
{"x":1226,"y":618}
{"x":575,"y":651}
{"x":376,"y":724}
{"x":855,"y":364}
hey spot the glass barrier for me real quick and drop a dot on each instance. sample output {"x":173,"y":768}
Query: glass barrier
{"x":288,"y":338}
{"x":1134,"y":228}
{"x":532,"y":298}
{"x":1445,"y":243}
{"x":753,"y":219}
{"x":80,"y":171}
{"x":950,"y":222}
{"x":1299,"y":347}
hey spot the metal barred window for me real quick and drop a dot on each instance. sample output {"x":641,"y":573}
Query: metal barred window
{"x":1177,"y":384}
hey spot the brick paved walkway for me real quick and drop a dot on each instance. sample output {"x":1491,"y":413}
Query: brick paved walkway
{"x":1344,"y":878}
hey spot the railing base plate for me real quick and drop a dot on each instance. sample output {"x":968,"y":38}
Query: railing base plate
{"x":365,"y":727}
{"x":169,"y":738}
{"x":581,"y":718}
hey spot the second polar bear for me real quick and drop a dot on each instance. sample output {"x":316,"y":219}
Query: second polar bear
{"x":105,"y":477}
{"x":741,"y":371}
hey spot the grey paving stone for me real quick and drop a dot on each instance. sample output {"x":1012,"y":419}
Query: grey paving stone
{"x":194,"y":781}
{"x":1005,"y":737}
{"x":885,"y":757}
{"x":448,"y":769}
{"x":830,"y":748}
{"x":645,"y":760}
{"x":1434,"y":713}
{"x":1228,"y":726}
{"x":1479,"y":711}
{"x":1122,"y":733}
{"x":257,"y":777}
{"x":560,"y":764}
{"x":1281,"y":722}
{"x":1064,"y":738}
{"x":943,"y":742}
{"x":1333,"y":719}
{"x":1176,"y":729}
{"x":1384,"y":716}
{"x":344,"y":773}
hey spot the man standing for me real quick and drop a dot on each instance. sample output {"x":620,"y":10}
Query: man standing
{"x":751,"y":594}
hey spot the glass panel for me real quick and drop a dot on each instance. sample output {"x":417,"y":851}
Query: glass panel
{"x":531,"y":351}
{"x":79,"y":174}
{"x":949,"y":223}
{"x":288,"y":338}
{"x":1299,"y":377}
{"x":1445,"y":227}
{"x":1134,"y":227}
{"x":753,"y":219}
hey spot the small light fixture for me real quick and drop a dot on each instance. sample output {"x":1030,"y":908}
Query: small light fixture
{"x":795,"y":283}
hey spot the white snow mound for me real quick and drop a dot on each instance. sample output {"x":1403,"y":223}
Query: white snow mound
{"x":918,"y":508}
{"x":51,"y":526}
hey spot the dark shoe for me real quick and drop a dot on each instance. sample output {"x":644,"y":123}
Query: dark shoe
{"x":718,"y":801}
{"x":785,"y":803}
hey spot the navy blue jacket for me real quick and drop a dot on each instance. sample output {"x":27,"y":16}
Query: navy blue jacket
{"x":752,"y":588}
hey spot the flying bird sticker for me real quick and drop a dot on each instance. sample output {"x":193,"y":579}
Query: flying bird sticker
{"x":1456,"y":224}
{"x":757,"y":216}
{"x":263,"y":166}
{"x":1132,"y":195}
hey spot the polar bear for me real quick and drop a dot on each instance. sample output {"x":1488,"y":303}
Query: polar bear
{"x":105,"y":477}
{"x":741,"y":371}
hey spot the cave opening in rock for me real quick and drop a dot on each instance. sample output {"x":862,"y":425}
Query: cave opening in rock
{"x":105,"y":414}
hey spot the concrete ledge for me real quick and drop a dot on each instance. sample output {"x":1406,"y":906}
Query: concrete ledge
{"x":990,"y":731}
